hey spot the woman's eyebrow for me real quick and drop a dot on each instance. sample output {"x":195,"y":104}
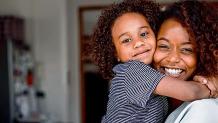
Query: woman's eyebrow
{"x":162,"y":38}
{"x":186,"y":42}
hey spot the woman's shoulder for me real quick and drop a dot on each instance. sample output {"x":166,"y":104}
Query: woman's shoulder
{"x":205,"y":104}
{"x":200,"y":111}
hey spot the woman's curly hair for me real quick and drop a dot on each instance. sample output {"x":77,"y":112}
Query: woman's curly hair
{"x":101,"y":41}
{"x":200,"y":19}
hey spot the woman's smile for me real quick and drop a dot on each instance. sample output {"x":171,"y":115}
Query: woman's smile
{"x":173,"y":72}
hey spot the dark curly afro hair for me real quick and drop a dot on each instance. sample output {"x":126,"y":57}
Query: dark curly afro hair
{"x":200,"y":19}
{"x":101,"y":41}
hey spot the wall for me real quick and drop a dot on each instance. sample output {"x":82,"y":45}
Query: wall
{"x":46,"y":32}
{"x":50,"y":46}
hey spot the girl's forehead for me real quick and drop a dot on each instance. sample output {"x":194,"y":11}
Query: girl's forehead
{"x":130,"y":20}
{"x":130,"y":16}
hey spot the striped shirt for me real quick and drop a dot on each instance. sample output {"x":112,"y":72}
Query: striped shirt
{"x":131,"y":99}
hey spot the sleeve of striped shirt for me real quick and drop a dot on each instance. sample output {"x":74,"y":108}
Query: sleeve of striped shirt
{"x":140,"y":82}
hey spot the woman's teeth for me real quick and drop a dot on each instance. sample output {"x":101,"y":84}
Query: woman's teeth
{"x":173,"y":71}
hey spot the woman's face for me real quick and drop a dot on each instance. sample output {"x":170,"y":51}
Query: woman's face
{"x":175,"y":54}
{"x":133,"y":38}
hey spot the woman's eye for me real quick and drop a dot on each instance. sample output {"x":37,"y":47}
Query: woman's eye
{"x":126,"y":40}
{"x":163,"y":47}
{"x":187,"y":50}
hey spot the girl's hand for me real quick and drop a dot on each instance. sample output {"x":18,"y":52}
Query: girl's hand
{"x":210,"y":82}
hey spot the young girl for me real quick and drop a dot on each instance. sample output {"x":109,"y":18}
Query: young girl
{"x":124,"y":41}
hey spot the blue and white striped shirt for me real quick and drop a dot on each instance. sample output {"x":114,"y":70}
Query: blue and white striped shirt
{"x":131,"y":99}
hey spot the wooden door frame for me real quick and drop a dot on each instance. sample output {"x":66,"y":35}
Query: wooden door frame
{"x":82,"y":37}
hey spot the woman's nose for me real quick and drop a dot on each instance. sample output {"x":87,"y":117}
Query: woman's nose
{"x":138,"y":44}
{"x":174,"y":57}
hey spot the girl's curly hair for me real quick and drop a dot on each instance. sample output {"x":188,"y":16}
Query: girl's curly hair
{"x":101,"y":41}
{"x":200,"y":19}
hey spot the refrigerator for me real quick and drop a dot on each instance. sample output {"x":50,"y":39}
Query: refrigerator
{"x":6,"y":88}
{"x":12,"y":47}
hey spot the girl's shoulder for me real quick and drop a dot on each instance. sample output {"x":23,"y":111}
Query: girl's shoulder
{"x":132,"y":64}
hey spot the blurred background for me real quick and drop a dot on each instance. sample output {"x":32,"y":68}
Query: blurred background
{"x":46,"y":76}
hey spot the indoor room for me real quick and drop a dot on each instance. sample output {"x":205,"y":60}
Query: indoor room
{"x":46,"y":72}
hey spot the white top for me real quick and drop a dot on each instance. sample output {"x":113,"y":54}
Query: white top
{"x":199,"y":111}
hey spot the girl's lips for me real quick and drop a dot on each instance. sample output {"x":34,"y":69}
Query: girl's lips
{"x":141,"y":55}
{"x":141,"y":52}
{"x":138,"y":53}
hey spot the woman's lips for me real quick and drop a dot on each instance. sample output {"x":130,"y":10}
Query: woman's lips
{"x":173,"y":72}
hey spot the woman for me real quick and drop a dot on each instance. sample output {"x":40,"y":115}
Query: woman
{"x":187,"y":45}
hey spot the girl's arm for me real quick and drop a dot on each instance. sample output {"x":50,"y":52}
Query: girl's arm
{"x":181,"y":90}
{"x":210,"y":82}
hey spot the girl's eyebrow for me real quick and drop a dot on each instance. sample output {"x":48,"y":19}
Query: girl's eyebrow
{"x":144,"y":27}
{"x":126,"y":32}
{"x":122,"y":35}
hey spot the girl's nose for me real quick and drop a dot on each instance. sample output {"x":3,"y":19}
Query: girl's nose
{"x":138,"y":44}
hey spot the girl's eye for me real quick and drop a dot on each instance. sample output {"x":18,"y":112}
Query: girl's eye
{"x":144,"y":34}
{"x":187,"y":50}
{"x":126,"y":40}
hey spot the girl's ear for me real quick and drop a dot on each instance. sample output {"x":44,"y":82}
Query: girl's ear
{"x":118,"y":59}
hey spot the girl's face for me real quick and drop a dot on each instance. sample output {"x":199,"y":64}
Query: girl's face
{"x":176,"y":53}
{"x":133,"y":38}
